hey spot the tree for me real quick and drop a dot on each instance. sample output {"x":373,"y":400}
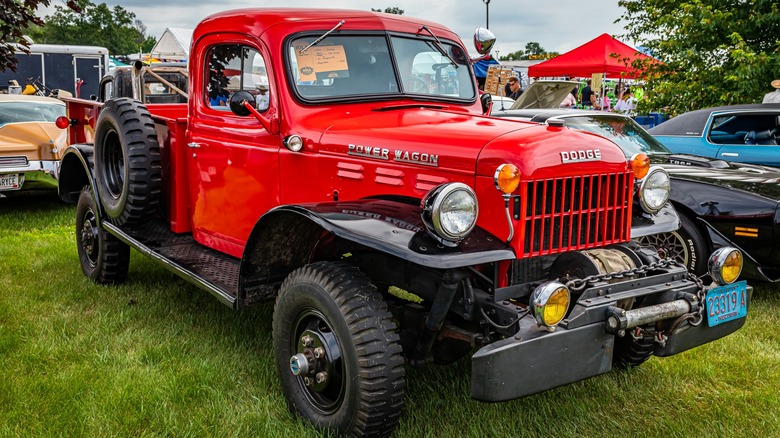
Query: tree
{"x":393,"y":10}
{"x":514,"y":56}
{"x":712,"y":52}
{"x":15,"y":17}
{"x":117,"y":29}
{"x":534,"y":48}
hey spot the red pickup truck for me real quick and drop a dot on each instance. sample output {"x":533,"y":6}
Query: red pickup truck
{"x":342,"y":163}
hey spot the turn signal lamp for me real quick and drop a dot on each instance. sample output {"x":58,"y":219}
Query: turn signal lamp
{"x":550,"y":302}
{"x":62,"y":122}
{"x":640,"y":165}
{"x":725,"y":265}
{"x":507,"y":178}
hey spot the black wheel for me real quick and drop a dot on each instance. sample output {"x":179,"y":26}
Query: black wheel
{"x":633,"y":350}
{"x":337,"y":351}
{"x":103,"y":257}
{"x":685,"y":245}
{"x":127,"y":161}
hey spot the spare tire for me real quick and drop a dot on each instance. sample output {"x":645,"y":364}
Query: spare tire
{"x":127,"y":162}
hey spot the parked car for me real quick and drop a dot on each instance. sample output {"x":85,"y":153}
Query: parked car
{"x":164,"y":82}
{"x":31,"y":144}
{"x":744,"y":133}
{"x":501,"y":103}
{"x":719,"y":203}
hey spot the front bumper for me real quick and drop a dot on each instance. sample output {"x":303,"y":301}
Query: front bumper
{"x":535,"y":360}
{"x":35,"y":175}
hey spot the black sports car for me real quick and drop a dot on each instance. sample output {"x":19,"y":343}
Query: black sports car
{"x":719,"y":202}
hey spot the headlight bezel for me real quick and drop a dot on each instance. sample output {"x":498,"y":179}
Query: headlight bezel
{"x":542,"y":296}
{"x":644,"y":184}
{"x":717,"y":262}
{"x":432,"y":209}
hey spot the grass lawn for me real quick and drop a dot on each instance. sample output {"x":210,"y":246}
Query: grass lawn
{"x":156,"y":356}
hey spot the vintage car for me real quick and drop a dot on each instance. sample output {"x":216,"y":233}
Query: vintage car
{"x":744,"y":133}
{"x":719,"y":203}
{"x":31,"y":144}
{"x":501,"y":103}
{"x":164,"y":82}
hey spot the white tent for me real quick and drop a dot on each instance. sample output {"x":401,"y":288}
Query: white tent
{"x":173,"y":44}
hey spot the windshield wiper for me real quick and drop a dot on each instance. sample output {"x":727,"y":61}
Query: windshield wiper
{"x":325,"y":35}
{"x":439,"y":47}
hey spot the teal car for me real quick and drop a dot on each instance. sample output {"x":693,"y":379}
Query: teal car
{"x":743,"y":133}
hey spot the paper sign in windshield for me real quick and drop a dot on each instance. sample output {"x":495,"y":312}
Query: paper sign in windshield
{"x":321,"y":62}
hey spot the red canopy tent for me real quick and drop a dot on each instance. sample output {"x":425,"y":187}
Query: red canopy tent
{"x":603,"y":54}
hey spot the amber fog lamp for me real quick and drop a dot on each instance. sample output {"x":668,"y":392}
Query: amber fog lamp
{"x":507,"y":178}
{"x":725,"y":265}
{"x":640,"y":165}
{"x":62,"y":122}
{"x":550,"y":301}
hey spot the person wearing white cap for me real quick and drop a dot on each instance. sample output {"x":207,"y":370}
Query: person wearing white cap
{"x":774,"y":96}
{"x":262,"y":98}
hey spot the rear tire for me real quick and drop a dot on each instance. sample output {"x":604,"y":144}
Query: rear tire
{"x":103,"y":257}
{"x":127,"y":161}
{"x":334,"y":308}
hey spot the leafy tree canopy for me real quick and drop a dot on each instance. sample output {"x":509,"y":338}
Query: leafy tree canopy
{"x":533,"y":50}
{"x":15,"y":17}
{"x":393,"y":10}
{"x":712,"y":52}
{"x":117,"y":29}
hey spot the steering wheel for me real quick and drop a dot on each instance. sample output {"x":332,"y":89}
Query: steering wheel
{"x":415,"y":85}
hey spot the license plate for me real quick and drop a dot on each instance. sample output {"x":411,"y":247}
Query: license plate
{"x":726,"y":303}
{"x":10,"y":182}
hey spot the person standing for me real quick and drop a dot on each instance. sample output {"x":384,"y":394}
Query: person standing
{"x":589,"y":97}
{"x":262,"y":99}
{"x":773,"y":96}
{"x":514,"y":86}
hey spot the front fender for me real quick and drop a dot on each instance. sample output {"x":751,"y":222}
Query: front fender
{"x":77,"y":169}
{"x":288,"y":237}
{"x":644,"y":224}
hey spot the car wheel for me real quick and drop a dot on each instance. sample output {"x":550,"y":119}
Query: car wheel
{"x":685,"y":245}
{"x":337,"y":351}
{"x":103,"y":257}
{"x":127,"y":161}
{"x":631,"y":351}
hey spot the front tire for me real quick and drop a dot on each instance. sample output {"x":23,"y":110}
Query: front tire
{"x":337,"y":351}
{"x":103,"y":257}
{"x":686,"y":245}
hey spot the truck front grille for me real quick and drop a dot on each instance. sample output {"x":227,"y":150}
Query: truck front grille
{"x":13,"y":162}
{"x":573,"y":213}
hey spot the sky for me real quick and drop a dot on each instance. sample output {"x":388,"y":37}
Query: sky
{"x":557,"y":25}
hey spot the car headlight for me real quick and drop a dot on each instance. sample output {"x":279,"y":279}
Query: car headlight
{"x":450,"y":212}
{"x":725,"y":265}
{"x":550,"y":301}
{"x":654,"y":190}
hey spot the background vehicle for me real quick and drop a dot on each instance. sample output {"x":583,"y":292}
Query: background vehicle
{"x":744,"y":133}
{"x":75,"y":69}
{"x":719,"y":203}
{"x":163,"y":82}
{"x":31,"y":145}
{"x":387,"y":215}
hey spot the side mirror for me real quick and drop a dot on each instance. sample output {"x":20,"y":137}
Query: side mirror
{"x":487,"y":101}
{"x":484,"y":40}
{"x":236,"y":102}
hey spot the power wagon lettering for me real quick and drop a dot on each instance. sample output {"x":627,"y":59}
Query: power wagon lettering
{"x":399,"y":155}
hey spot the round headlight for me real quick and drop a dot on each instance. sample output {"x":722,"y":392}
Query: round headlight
{"x":451,"y":210}
{"x":725,"y":265}
{"x":550,"y":302}
{"x":654,"y":190}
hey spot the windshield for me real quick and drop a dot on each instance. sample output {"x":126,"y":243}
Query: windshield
{"x":360,"y":65}
{"x":20,"y":112}
{"x":631,"y":138}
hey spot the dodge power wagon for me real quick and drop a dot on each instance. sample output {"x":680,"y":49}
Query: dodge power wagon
{"x":342,"y":163}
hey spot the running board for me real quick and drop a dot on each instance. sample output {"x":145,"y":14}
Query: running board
{"x":213,"y":271}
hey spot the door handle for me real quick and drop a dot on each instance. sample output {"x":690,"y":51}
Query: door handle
{"x":194,"y":145}
{"x":730,"y":154}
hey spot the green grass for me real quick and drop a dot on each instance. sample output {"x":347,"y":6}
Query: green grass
{"x":156,"y":356}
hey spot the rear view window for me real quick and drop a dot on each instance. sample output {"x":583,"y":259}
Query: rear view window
{"x":19,"y":112}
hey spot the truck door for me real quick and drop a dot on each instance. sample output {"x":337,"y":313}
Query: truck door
{"x":89,"y":69}
{"x":233,"y":161}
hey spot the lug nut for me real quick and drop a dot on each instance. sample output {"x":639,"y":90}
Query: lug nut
{"x":308,"y":381}
{"x":321,"y":377}
{"x":319,"y":353}
{"x":307,"y":341}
